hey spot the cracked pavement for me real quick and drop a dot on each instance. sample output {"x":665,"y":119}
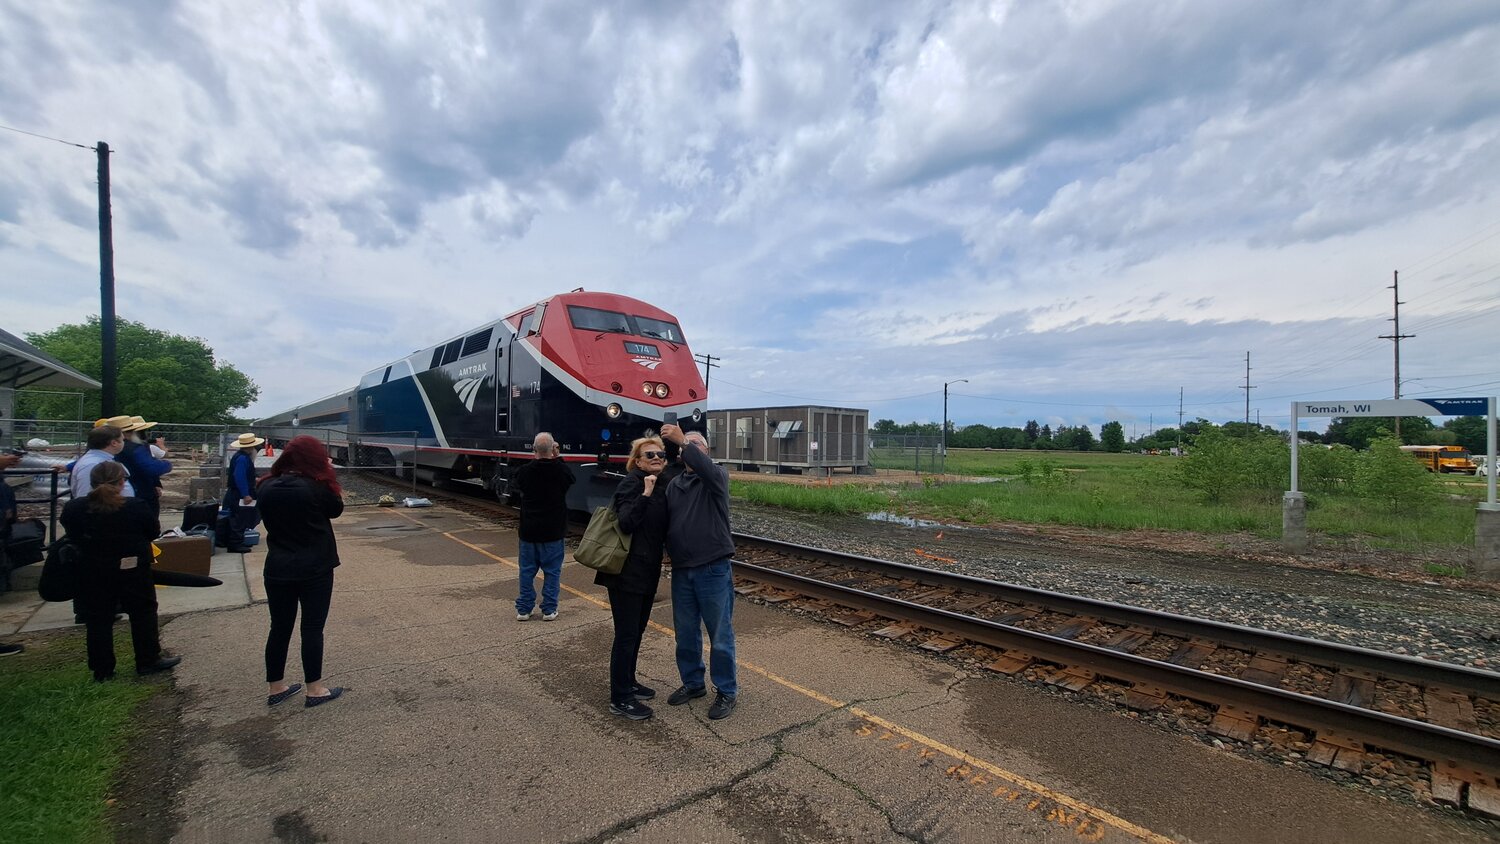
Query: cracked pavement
{"x":462,"y":724}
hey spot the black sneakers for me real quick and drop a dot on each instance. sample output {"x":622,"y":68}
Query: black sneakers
{"x":685,"y":694}
{"x":165,"y":663}
{"x":723,"y":705}
{"x":632,"y":709}
{"x":643,"y":692}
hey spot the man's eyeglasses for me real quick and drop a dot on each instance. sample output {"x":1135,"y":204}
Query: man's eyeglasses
{"x":654,"y":455}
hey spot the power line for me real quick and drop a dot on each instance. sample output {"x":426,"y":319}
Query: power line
{"x":46,"y":137}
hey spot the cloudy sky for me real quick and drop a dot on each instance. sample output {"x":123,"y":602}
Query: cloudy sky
{"x":1080,"y":207}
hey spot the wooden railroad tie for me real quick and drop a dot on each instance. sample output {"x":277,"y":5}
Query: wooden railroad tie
{"x":1338,"y":751}
{"x":1234,"y":722}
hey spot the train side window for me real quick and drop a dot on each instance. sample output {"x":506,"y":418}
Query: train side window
{"x":527,"y":323}
{"x":437,"y":358}
{"x":476,"y":342}
{"x":450,"y":352}
{"x":537,"y":316}
{"x":387,"y":377}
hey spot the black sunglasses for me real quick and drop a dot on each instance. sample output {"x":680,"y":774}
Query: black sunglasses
{"x":654,"y":455}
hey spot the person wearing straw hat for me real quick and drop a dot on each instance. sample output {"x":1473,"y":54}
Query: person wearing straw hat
{"x":239,"y":492}
{"x":145,"y":468}
{"x":105,"y":442}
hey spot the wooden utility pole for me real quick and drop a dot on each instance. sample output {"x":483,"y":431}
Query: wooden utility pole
{"x":107,"y":400}
{"x":1396,"y":337}
{"x":708,"y":364}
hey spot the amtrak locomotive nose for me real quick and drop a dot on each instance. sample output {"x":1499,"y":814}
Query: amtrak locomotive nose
{"x":596,"y":370}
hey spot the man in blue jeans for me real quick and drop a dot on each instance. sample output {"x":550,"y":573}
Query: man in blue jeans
{"x":699,"y":538}
{"x":542,"y":486}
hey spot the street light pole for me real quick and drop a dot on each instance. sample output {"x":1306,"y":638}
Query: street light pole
{"x":945,"y":419}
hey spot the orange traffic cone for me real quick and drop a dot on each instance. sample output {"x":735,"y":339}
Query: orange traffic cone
{"x":270,"y":452}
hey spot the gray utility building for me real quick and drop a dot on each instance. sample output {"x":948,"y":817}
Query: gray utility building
{"x":803,"y":439}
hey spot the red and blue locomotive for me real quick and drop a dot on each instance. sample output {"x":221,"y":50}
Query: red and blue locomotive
{"x":596,"y":370}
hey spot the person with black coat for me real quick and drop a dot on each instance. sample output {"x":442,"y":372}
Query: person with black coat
{"x":640,"y":503}
{"x":297,"y":502}
{"x":542,"y":487}
{"x":114,"y":534}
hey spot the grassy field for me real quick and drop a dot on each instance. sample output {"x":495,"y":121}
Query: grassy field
{"x":1119,"y":491}
{"x":63,"y":740}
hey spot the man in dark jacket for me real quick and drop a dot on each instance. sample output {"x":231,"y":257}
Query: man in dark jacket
{"x":699,"y":539}
{"x":542,"y":485}
{"x":145,"y":468}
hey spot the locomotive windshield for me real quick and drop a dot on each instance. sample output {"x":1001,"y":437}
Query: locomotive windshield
{"x":614,"y":322}
{"x":667,"y":331}
{"x":593,"y":319}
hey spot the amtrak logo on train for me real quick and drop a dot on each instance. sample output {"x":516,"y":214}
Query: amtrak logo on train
{"x":467,"y":390}
{"x":649,"y":364}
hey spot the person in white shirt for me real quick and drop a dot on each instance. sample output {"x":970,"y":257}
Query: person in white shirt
{"x":105,"y":442}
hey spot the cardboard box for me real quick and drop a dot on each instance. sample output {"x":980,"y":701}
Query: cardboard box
{"x":187,"y":554}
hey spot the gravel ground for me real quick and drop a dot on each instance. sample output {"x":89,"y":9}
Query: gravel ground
{"x":1429,"y":619}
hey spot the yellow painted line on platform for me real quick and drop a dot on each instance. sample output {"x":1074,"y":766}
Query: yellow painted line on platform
{"x":1100,"y":815}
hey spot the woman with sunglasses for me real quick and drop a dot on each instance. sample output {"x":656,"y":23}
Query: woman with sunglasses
{"x":641,"y":504}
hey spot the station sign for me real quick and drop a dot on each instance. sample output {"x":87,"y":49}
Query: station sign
{"x":1394,"y":407}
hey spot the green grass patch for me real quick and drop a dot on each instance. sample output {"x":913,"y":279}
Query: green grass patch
{"x":844,"y":499}
{"x":1445,"y":571}
{"x":1121,"y":492}
{"x":63,"y":741}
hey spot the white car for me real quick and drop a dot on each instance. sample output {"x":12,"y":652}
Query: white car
{"x":1481,"y":465}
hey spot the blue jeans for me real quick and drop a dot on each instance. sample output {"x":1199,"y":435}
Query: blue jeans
{"x":547,"y":556}
{"x":704,"y":595}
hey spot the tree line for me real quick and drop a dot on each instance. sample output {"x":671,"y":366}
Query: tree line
{"x":1355,"y":432}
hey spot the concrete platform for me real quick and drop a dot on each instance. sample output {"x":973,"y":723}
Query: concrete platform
{"x":22,"y":610}
{"x":463,"y":724}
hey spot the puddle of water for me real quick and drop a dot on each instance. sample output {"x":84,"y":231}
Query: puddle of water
{"x":905,"y":521}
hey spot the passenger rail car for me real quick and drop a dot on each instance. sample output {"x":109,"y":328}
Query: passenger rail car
{"x":596,"y":370}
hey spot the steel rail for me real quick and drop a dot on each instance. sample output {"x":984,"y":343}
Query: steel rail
{"x":1422,"y":672}
{"x":1414,"y":738}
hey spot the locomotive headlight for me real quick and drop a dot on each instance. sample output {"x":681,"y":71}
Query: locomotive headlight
{"x":613,"y":411}
{"x":647,"y":387}
{"x":697,"y":415}
{"x":662,"y":391}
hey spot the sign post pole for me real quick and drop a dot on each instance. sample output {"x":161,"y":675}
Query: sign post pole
{"x":1294,"y":504}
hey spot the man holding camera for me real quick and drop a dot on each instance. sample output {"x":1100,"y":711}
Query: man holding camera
{"x":542,"y":486}
{"x":699,"y":538}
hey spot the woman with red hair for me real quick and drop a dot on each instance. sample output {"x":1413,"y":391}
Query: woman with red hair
{"x":297,"y":502}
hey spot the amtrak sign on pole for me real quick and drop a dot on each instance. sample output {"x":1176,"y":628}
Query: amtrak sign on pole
{"x":1401,"y":407}
{"x":1392,"y":407}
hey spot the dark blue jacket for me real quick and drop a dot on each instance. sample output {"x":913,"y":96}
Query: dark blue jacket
{"x":241,"y":476}
{"x":145,"y":470}
{"x":698,"y":513}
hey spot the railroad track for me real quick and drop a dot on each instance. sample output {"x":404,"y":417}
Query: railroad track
{"x":1353,"y":700}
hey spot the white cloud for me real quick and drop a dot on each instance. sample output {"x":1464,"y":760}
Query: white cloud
{"x":1087,"y":204}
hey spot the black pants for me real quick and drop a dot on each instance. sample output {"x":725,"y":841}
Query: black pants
{"x":284,"y":596}
{"x":131,"y":591}
{"x":631,"y":612}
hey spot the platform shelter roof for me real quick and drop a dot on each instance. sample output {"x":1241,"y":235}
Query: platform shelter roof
{"x":24,"y":365}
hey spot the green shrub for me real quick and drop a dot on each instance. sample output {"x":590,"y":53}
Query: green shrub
{"x":1387,"y":475}
{"x":1218,"y":465}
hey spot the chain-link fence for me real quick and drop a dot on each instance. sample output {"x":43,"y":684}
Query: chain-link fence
{"x":920,"y":453}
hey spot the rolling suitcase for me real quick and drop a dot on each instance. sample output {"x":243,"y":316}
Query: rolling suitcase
{"x":200,"y":514}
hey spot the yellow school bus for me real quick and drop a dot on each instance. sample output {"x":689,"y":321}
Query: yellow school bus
{"x":1442,"y":458}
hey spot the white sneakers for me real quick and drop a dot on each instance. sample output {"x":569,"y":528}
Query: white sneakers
{"x":550,"y":616}
{"x":523,"y":616}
